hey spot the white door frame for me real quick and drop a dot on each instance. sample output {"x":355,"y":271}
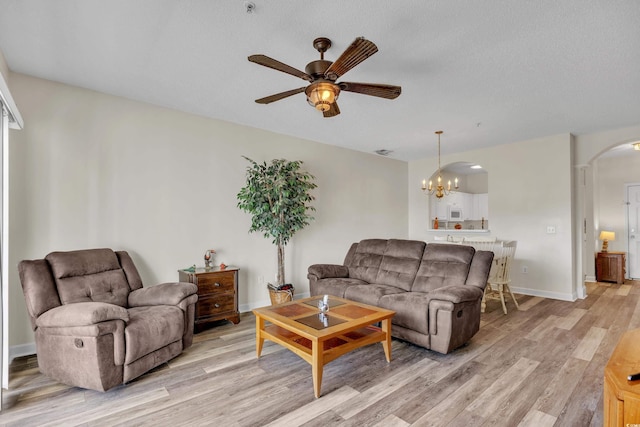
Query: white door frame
{"x":626,"y":227}
{"x":4,"y":272}
{"x":11,"y":118}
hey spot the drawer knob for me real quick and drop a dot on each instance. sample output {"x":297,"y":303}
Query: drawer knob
{"x":216,"y":305}
{"x":217,"y":285}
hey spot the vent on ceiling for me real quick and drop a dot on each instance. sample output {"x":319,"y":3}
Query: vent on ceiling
{"x":383,"y":152}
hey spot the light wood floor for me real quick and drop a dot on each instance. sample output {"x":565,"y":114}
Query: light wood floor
{"x":540,"y":366}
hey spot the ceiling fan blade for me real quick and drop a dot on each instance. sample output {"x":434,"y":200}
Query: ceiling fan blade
{"x":278,"y":96}
{"x":359,"y":50}
{"x":333,"y":111}
{"x":277,"y":65}
{"x":372,"y":89}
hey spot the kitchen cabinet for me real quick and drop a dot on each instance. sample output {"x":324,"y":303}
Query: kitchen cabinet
{"x":438,"y":208}
{"x":478,"y":207}
{"x":455,"y":199}
{"x":474,"y":207}
{"x":482,"y":203}
{"x":468,"y":211}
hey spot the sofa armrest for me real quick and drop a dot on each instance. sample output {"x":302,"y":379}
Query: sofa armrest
{"x":81,"y":314}
{"x":456,"y":294}
{"x":323,"y":271}
{"x":172,"y":293}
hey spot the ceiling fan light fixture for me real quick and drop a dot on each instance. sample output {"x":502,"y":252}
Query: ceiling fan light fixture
{"x":322,"y":94}
{"x":322,"y":91}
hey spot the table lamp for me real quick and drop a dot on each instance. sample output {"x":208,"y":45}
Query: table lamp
{"x":605,"y":236}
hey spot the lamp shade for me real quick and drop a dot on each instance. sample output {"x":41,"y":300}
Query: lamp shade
{"x":322,"y":94}
{"x":607,"y":235}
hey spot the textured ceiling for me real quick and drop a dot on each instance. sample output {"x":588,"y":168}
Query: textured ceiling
{"x":485,"y":72}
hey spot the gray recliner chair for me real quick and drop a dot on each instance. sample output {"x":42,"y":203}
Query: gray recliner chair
{"x":95,"y":325}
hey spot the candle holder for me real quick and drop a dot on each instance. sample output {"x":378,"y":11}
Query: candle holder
{"x":323,"y":304}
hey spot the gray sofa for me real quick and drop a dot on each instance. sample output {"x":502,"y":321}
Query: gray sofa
{"x":95,"y":325}
{"x":435,"y":289}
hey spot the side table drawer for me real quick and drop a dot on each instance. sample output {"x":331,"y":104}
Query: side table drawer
{"x":210,"y":305}
{"x":220,"y":282}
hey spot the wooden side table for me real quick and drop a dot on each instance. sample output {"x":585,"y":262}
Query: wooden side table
{"x":610,"y":267}
{"x":217,"y":295}
{"x":622,"y":397}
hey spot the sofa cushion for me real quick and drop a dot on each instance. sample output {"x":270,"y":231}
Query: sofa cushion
{"x":92,"y":275}
{"x":334,"y":286}
{"x":443,"y":265}
{"x":370,"y":293}
{"x":400,"y":263}
{"x":151,"y":328}
{"x":412,"y":310}
{"x":365,"y":263}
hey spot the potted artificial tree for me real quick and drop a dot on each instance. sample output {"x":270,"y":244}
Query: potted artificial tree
{"x":277,"y":197}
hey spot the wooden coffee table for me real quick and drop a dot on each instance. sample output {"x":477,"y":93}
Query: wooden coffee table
{"x":320,"y":338}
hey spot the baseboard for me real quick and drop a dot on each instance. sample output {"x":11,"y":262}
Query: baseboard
{"x":544,"y":294}
{"x":243,"y":308}
{"x":21,"y":350}
{"x":590,"y":279}
{"x":583,"y":292}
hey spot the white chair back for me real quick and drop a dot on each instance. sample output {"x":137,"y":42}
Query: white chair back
{"x":502,"y":259}
{"x":480,"y":244}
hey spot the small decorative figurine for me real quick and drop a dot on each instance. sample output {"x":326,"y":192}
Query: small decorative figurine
{"x":223,"y":266}
{"x":208,"y":258}
{"x":435,"y":224}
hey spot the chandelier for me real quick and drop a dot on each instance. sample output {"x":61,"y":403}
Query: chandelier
{"x":439,"y":190}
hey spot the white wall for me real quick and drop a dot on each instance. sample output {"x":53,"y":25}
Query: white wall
{"x":524,"y":198}
{"x":477,"y":183}
{"x":4,"y":69}
{"x":92,"y":170}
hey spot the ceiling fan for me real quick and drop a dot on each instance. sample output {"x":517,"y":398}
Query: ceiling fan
{"x":323,"y":91}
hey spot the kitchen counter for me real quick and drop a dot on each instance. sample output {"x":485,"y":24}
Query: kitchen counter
{"x":453,"y":230}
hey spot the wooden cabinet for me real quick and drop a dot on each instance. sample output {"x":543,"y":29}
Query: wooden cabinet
{"x":468,"y":208}
{"x":610,"y":267}
{"x":217,"y":295}
{"x":622,"y":397}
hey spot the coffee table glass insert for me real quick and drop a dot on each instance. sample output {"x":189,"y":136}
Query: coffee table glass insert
{"x":319,"y":338}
